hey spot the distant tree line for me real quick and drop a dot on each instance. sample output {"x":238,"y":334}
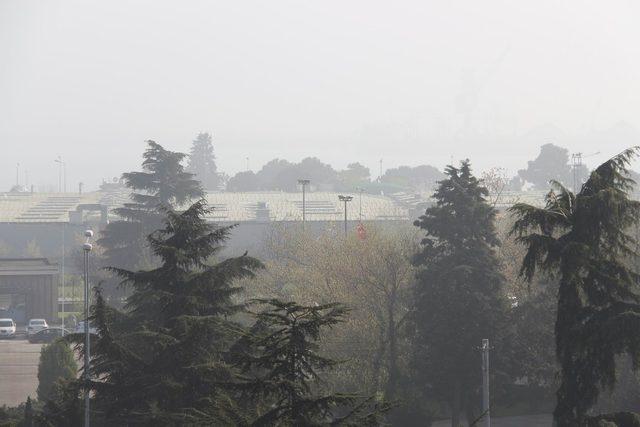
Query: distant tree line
{"x":553,"y":163}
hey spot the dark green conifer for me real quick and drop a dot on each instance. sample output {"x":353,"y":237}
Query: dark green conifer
{"x":458,"y":296}
{"x":284,"y":370}
{"x":161,"y":360}
{"x":583,"y":240}
{"x":162,"y":182}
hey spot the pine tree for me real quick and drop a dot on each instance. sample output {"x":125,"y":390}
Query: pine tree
{"x":583,"y":239}
{"x":28,"y":413}
{"x":162,"y":359}
{"x":202,"y":162}
{"x":162,"y":183}
{"x":284,"y":369}
{"x":458,"y":297}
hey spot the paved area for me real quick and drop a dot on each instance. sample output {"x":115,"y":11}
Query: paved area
{"x":543,"y":420}
{"x":18,"y":370}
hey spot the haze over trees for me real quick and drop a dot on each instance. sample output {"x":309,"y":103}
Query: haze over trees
{"x":162,"y":183}
{"x":370,"y":328}
{"x":583,"y":238}
{"x":202,"y":162}
{"x":282,"y":175}
{"x":552,"y":164}
{"x":458,"y":299}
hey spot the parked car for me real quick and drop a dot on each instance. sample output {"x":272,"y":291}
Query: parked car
{"x":80,"y":329}
{"x":36,"y":325}
{"x":48,"y":335}
{"x":7,"y":328}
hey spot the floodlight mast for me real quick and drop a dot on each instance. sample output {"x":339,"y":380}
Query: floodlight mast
{"x":345,"y":200}
{"x":304,"y":183}
{"x":87,"y":247}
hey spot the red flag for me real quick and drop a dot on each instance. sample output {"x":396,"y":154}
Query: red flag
{"x":362,"y":233}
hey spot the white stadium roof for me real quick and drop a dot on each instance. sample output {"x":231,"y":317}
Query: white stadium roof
{"x":241,"y":207}
{"x":227,"y":207}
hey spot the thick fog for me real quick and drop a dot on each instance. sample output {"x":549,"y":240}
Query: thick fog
{"x":409,"y":82}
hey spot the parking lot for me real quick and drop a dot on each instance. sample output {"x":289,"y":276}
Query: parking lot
{"x":18,"y":370}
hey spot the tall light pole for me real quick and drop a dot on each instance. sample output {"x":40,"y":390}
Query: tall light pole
{"x":62,"y":170}
{"x":63,"y":294}
{"x":304,"y":183}
{"x":345,"y":199}
{"x":86,"y":248}
{"x":485,"y":383}
{"x":360,"y":190}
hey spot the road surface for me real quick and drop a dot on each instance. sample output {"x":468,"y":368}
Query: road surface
{"x":18,"y":370}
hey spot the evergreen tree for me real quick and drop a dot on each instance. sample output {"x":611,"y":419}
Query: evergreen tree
{"x":56,"y":363}
{"x":28,"y":413}
{"x":582,"y":239}
{"x":202,"y":162}
{"x":284,"y":368}
{"x":161,"y":360}
{"x":458,"y":298}
{"x":162,"y":183}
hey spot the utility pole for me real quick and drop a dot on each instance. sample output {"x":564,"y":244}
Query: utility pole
{"x":63,"y":294}
{"x":247,"y":164}
{"x":87,"y":350}
{"x":17,"y":174}
{"x":60,"y":163}
{"x":360,"y":190}
{"x":380,"y":176}
{"x":304,"y":183}
{"x":485,"y":383}
{"x":345,"y":199}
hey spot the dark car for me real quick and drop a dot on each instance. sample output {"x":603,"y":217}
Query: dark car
{"x":48,"y":335}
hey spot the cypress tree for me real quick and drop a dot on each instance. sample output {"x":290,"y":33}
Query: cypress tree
{"x":28,"y":413}
{"x":202,"y":162}
{"x":56,"y":363}
{"x":458,"y":296}
{"x":583,"y":239}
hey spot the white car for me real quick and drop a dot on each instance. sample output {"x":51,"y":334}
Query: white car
{"x":7,"y":328}
{"x":80,"y":329}
{"x":36,"y":325}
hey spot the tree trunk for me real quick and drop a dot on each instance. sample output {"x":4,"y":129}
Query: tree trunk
{"x":378,"y":356}
{"x":392,"y":380}
{"x":456,"y":403}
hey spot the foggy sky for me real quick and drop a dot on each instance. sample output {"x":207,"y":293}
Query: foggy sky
{"x":410,"y":82}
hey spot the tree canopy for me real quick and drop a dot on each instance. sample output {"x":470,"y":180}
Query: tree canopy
{"x":202,"y":162}
{"x":458,"y":299}
{"x":552,"y":164}
{"x":583,"y":239}
{"x":162,"y":182}
{"x":284,"y":368}
{"x":161,"y":359}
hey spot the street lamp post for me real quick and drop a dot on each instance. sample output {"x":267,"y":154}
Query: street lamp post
{"x":485,"y":383}
{"x":360,"y":190}
{"x":345,"y":199}
{"x":62,"y":171}
{"x":304,"y":183}
{"x":86,"y":248}
{"x":63,"y":281}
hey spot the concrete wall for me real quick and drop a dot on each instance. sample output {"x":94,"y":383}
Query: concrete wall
{"x":40,"y":291}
